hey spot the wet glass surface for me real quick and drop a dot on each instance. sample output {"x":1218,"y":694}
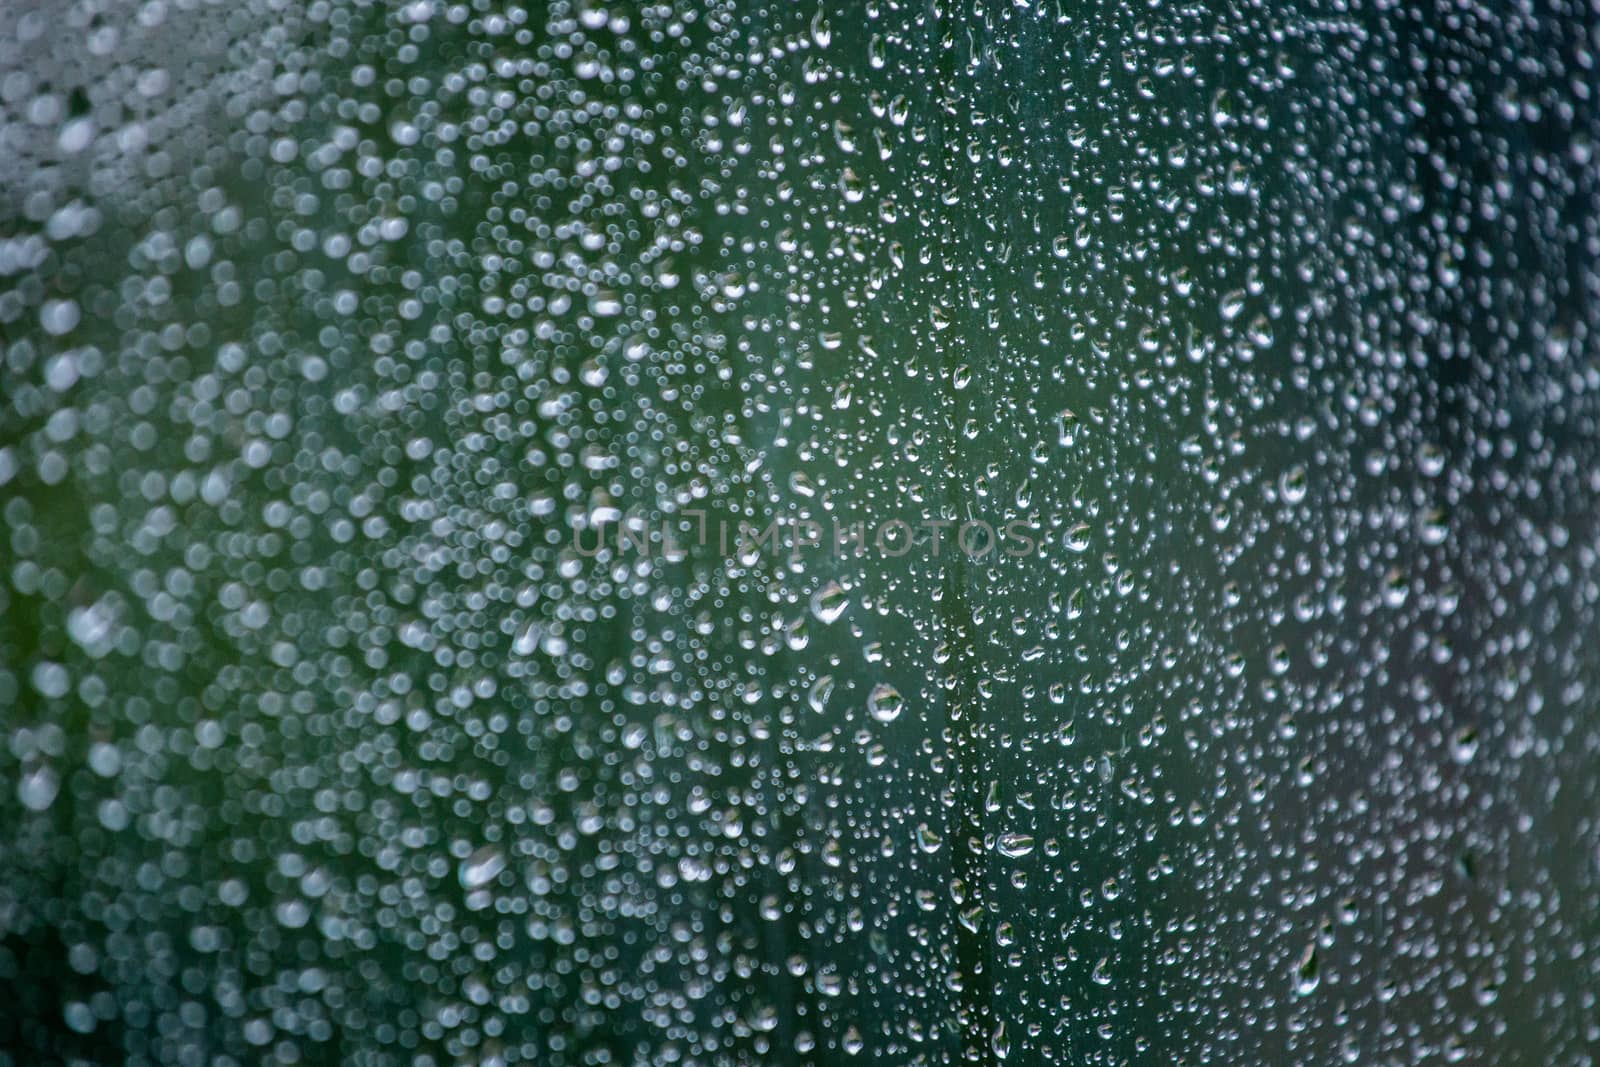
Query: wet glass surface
{"x":722,"y":533}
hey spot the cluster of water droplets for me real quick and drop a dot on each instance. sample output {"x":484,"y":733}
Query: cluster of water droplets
{"x":335,"y":336}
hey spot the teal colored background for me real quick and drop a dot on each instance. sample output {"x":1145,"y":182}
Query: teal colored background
{"x":324,"y":744}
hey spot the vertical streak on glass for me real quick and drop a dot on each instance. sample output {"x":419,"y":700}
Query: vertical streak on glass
{"x":970,"y":929}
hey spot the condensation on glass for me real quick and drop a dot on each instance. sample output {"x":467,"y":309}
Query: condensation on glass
{"x":728,"y":533}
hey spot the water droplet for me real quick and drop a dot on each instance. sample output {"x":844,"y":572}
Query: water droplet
{"x":37,"y":788}
{"x":885,"y":703}
{"x":829,"y":602}
{"x":482,"y":867}
{"x":1014,"y":845}
{"x":1307,"y":973}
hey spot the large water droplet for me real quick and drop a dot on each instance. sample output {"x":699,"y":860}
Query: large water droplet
{"x":885,"y":703}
